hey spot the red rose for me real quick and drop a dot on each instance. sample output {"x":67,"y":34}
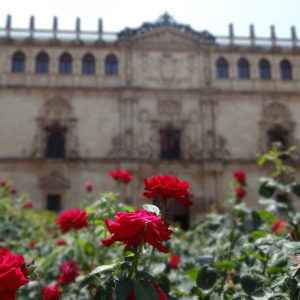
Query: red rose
{"x":51,"y":292}
{"x":3,"y":183}
{"x":121,"y":175}
{"x":167,"y":187}
{"x":69,"y":270}
{"x":89,"y":186}
{"x":174,"y":261}
{"x":137,"y":228}
{"x":61,"y":242}
{"x":240,"y":193}
{"x":27,"y":205}
{"x":13,"y":190}
{"x":279,"y":226}
{"x":240,"y":177}
{"x":13,"y":274}
{"x":73,"y":218}
{"x":160,"y":292}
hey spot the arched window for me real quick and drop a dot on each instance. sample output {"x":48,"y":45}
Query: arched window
{"x":222,"y":68}
{"x":243,"y":69}
{"x":170,"y":144}
{"x":265,"y":69}
{"x":88,"y":65}
{"x":278,"y":136}
{"x":18,"y":62}
{"x":65,"y":64}
{"x":56,"y":143}
{"x":111,"y":65}
{"x":42,"y":63}
{"x":286,"y":70}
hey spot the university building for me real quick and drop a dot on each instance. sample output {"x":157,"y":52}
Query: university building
{"x":163,"y":98}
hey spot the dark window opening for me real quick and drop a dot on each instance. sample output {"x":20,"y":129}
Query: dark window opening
{"x":222,"y":68}
{"x":88,"y":65}
{"x":56,"y":143}
{"x":265,"y":70}
{"x":279,"y":137}
{"x":243,"y":69}
{"x":18,"y":62}
{"x":170,"y":144}
{"x":286,"y":70}
{"x":42,"y":63}
{"x":111,"y":65}
{"x":183,"y":221}
{"x":66,"y":64}
{"x":53,"y":202}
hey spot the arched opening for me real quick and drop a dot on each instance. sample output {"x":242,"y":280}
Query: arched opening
{"x":65,"y":64}
{"x":243,"y":69}
{"x":18,"y":62}
{"x":42,"y":63}
{"x":111,"y":65}
{"x":88,"y":66}
{"x":170,"y":143}
{"x":56,"y":143}
{"x":279,"y":137}
{"x":222,"y":68}
{"x":286,"y":70}
{"x":265,"y":70}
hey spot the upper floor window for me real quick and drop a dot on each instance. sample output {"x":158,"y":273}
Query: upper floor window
{"x":88,"y":65}
{"x":286,"y":70}
{"x":42,"y":63}
{"x":18,"y":62}
{"x":243,"y":69}
{"x":170,"y":143}
{"x":265,"y":69}
{"x":56,"y":143}
{"x":65,"y":64}
{"x":222,"y":68}
{"x":111,"y":65}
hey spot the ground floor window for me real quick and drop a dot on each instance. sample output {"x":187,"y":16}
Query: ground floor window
{"x":53,"y":202}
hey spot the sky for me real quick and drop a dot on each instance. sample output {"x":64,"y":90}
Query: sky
{"x":211,"y":15}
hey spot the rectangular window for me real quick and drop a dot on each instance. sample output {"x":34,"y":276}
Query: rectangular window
{"x":53,"y":202}
{"x":170,"y":144}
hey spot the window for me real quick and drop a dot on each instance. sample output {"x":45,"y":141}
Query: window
{"x":18,"y":62}
{"x":265,"y":69}
{"x":222,"y":68}
{"x":66,"y":64}
{"x":88,"y":65}
{"x":55,"y":143}
{"x":286,"y":70}
{"x":42,"y":63}
{"x":53,"y":202}
{"x":243,"y":69}
{"x":111,"y":65}
{"x":170,"y":144}
{"x":278,"y":136}
{"x":183,"y":221}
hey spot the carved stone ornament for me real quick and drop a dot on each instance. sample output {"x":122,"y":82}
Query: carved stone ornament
{"x":55,"y":183}
{"x":56,"y":112}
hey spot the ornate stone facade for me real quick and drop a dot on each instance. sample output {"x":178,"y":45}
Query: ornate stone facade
{"x":160,"y":78}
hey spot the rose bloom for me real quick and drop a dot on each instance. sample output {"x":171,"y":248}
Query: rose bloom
{"x":240,"y":193}
{"x":121,"y":175}
{"x":167,"y":187}
{"x":240,"y":177}
{"x":89,"y":186}
{"x":136,"y":228}
{"x":160,"y":292}
{"x":13,"y":274}
{"x":174,"y":261}
{"x":3,"y":183}
{"x":13,"y":190}
{"x":73,"y":218}
{"x":27,"y":205}
{"x":279,"y":226}
{"x":69,"y":270}
{"x":61,"y":242}
{"x":51,"y":292}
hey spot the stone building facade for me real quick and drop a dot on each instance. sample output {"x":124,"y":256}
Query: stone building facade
{"x":159,"y":99}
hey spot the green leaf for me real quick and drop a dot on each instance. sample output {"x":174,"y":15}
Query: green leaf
{"x":123,"y":289}
{"x":296,"y":189}
{"x":266,"y":190}
{"x":206,"y":278}
{"x":225,"y":265}
{"x":250,"y":284}
{"x":257,"y":234}
{"x":145,"y":291}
